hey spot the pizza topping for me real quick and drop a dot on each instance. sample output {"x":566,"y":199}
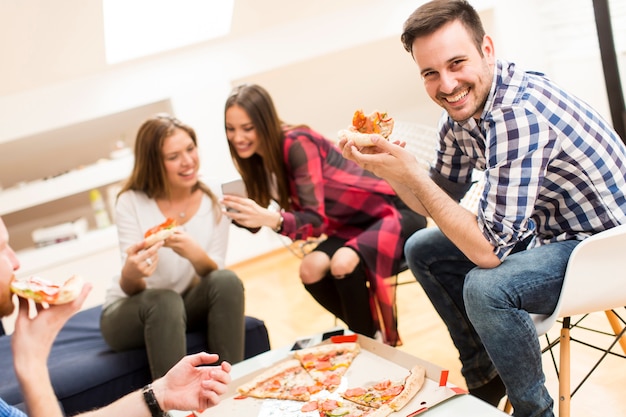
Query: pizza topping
{"x":354,"y":392}
{"x":332,"y":379}
{"x":44,"y":291}
{"x":334,"y":408}
{"x":375,"y":122}
{"x":364,"y":127}
{"x":310,"y":406}
{"x":169,"y":223}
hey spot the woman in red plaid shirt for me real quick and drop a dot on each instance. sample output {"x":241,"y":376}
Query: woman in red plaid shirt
{"x":320,"y":193}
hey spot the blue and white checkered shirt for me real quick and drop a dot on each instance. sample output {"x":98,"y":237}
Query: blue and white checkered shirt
{"x":8,"y":411}
{"x":553,"y":167}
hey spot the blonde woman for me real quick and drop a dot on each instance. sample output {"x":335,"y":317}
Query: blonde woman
{"x":178,"y":284}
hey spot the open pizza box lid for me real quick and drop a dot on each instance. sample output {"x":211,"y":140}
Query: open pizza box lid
{"x":375,"y":362}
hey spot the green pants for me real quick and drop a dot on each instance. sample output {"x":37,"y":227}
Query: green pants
{"x":158,"y":319}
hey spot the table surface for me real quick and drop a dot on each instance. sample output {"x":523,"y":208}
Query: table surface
{"x":465,"y":405}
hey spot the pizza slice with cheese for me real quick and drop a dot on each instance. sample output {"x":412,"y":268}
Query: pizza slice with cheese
{"x":364,"y":127}
{"x":387,"y":393}
{"x":43,"y":291}
{"x":336,"y":408}
{"x":286,"y":381}
{"x":329,"y":362}
{"x":160,"y":232}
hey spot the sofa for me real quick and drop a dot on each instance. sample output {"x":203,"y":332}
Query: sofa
{"x":86,"y":373}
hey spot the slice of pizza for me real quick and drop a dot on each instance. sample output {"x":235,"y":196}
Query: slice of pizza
{"x":365,"y":126}
{"x":329,"y":362}
{"x":339,"y":408}
{"x":287,"y":380}
{"x":386,"y":393}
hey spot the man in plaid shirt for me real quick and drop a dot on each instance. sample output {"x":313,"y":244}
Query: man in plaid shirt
{"x":554,"y":173}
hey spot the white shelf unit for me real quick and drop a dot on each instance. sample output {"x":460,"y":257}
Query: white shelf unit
{"x":47,"y":177}
{"x":34,"y":261}
{"x":38,"y":192}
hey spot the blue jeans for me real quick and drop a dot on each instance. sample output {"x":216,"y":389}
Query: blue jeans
{"x":487,"y":311}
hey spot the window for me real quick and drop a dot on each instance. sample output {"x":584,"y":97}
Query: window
{"x":137,"y":28}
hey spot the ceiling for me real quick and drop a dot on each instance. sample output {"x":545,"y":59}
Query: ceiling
{"x":44,"y":42}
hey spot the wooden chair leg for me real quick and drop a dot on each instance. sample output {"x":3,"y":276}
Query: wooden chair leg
{"x":508,"y":408}
{"x":564,"y":374}
{"x":616,"y":326}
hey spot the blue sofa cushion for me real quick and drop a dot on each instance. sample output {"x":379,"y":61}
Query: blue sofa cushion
{"x":86,"y":373}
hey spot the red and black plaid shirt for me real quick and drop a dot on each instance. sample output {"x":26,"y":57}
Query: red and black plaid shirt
{"x":334,"y":196}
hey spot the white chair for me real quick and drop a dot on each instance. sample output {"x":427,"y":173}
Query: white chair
{"x":595,"y":281}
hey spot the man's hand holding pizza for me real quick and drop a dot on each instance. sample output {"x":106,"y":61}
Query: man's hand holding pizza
{"x":35,"y":332}
{"x":388,"y":160}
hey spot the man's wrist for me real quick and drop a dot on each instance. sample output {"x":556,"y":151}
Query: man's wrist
{"x":152,"y":402}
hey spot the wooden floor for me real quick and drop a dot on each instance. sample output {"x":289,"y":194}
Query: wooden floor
{"x":274,"y":294}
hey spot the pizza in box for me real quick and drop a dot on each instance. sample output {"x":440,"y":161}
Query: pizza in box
{"x":321,"y":368}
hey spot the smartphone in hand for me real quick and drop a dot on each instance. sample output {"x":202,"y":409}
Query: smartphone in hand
{"x":236,"y":187}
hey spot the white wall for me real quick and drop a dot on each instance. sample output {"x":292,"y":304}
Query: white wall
{"x":319,"y":69}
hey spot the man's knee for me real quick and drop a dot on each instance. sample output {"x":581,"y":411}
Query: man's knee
{"x":423,"y":242}
{"x":482,"y":288}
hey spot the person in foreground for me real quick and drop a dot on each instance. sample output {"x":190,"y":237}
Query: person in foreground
{"x":554,"y":174}
{"x":178,"y":284}
{"x":320,"y":193}
{"x":189,"y":385}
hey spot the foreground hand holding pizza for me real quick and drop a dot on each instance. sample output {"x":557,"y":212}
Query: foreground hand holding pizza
{"x":31,"y":342}
{"x":189,"y":385}
{"x":35,"y":332}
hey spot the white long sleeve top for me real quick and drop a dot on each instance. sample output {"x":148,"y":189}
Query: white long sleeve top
{"x":136,"y":213}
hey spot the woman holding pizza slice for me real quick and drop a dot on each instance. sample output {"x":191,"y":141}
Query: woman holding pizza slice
{"x":173,"y":282}
{"x":320,"y":193}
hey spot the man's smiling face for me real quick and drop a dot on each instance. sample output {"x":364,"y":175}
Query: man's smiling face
{"x":456,"y":76}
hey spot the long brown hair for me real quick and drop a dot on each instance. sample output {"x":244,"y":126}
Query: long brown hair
{"x":258,"y":172}
{"x":431,"y":16}
{"x":148,"y":174}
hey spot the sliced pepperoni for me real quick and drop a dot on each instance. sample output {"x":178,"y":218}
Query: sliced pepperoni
{"x":383,"y":385}
{"x":393,"y":391}
{"x":329,"y":405}
{"x":299,"y":390}
{"x":355,"y":392}
{"x":310,"y":406}
{"x":322,"y":365}
{"x":332,"y":379}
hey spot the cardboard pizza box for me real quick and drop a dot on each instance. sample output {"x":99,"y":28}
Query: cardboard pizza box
{"x":376,"y":362}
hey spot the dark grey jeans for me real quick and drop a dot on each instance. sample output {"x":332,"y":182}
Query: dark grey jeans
{"x":158,"y":319}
